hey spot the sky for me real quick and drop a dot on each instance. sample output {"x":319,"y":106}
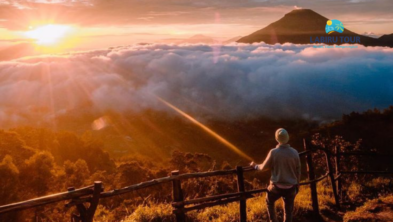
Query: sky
{"x":60,"y":57}
{"x":102,"y":23}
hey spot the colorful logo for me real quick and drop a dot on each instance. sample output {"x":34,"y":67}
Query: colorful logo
{"x":334,"y":26}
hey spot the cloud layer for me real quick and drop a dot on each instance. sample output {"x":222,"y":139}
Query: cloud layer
{"x":210,"y":81}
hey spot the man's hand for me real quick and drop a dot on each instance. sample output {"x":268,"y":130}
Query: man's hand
{"x":252,"y":164}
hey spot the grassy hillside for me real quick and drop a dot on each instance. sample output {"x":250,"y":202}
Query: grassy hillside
{"x":40,"y":161}
{"x":378,"y":209}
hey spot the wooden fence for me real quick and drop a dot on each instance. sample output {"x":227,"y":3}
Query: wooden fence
{"x":92,"y":194}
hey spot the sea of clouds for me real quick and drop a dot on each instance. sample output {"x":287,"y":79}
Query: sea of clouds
{"x":209,"y":81}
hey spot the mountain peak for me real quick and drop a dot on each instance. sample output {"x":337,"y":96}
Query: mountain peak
{"x":304,"y":13}
{"x":301,"y":25}
{"x":199,"y":36}
{"x":301,"y":11}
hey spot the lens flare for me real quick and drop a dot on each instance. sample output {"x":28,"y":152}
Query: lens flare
{"x":101,"y":123}
{"x":206,"y":129}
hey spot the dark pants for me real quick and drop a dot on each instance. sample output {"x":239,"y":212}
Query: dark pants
{"x":288,"y":195}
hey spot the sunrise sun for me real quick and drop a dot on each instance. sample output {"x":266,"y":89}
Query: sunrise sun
{"x":48,"y":34}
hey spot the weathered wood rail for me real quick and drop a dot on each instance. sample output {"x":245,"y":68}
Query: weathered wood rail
{"x":92,"y":194}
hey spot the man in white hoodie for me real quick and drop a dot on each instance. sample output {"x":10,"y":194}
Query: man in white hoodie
{"x":284,"y":164}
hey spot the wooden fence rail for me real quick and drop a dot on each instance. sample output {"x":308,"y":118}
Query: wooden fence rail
{"x":92,"y":194}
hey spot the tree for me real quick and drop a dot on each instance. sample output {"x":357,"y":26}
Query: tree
{"x":38,"y":173}
{"x":9,"y":186}
{"x":12,"y":144}
{"x":69,"y":148}
{"x":130,"y":173}
{"x":37,"y":138}
{"x":10,"y":180}
{"x":77,"y":173}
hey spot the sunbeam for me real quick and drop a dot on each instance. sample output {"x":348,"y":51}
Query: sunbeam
{"x":206,"y":129}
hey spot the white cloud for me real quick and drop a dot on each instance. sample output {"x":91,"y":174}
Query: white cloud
{"x":372,"y":34}
{"x":209,"y":81}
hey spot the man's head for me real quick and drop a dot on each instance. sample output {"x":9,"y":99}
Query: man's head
{"x":282,"y":136}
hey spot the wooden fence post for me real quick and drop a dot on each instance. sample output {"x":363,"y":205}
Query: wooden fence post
{"x":81,"y":209}
{"x":178,"y":197}
{"x":333,"y":182}
{"x":311,"y":177}
{"x":98,"y":188}
{"x":86,"y":214}
{"x":241,"y":190}
{"x":338,"y":170}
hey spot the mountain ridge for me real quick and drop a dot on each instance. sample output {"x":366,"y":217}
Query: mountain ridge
{"x":301,"y":25}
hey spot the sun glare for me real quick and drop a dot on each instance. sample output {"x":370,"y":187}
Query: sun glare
{"x":48,"y":34}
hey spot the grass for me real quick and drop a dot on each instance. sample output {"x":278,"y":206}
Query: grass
{"x":376,"y":210}
{"x":256,"y":209}
{"x":161,"y":212}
